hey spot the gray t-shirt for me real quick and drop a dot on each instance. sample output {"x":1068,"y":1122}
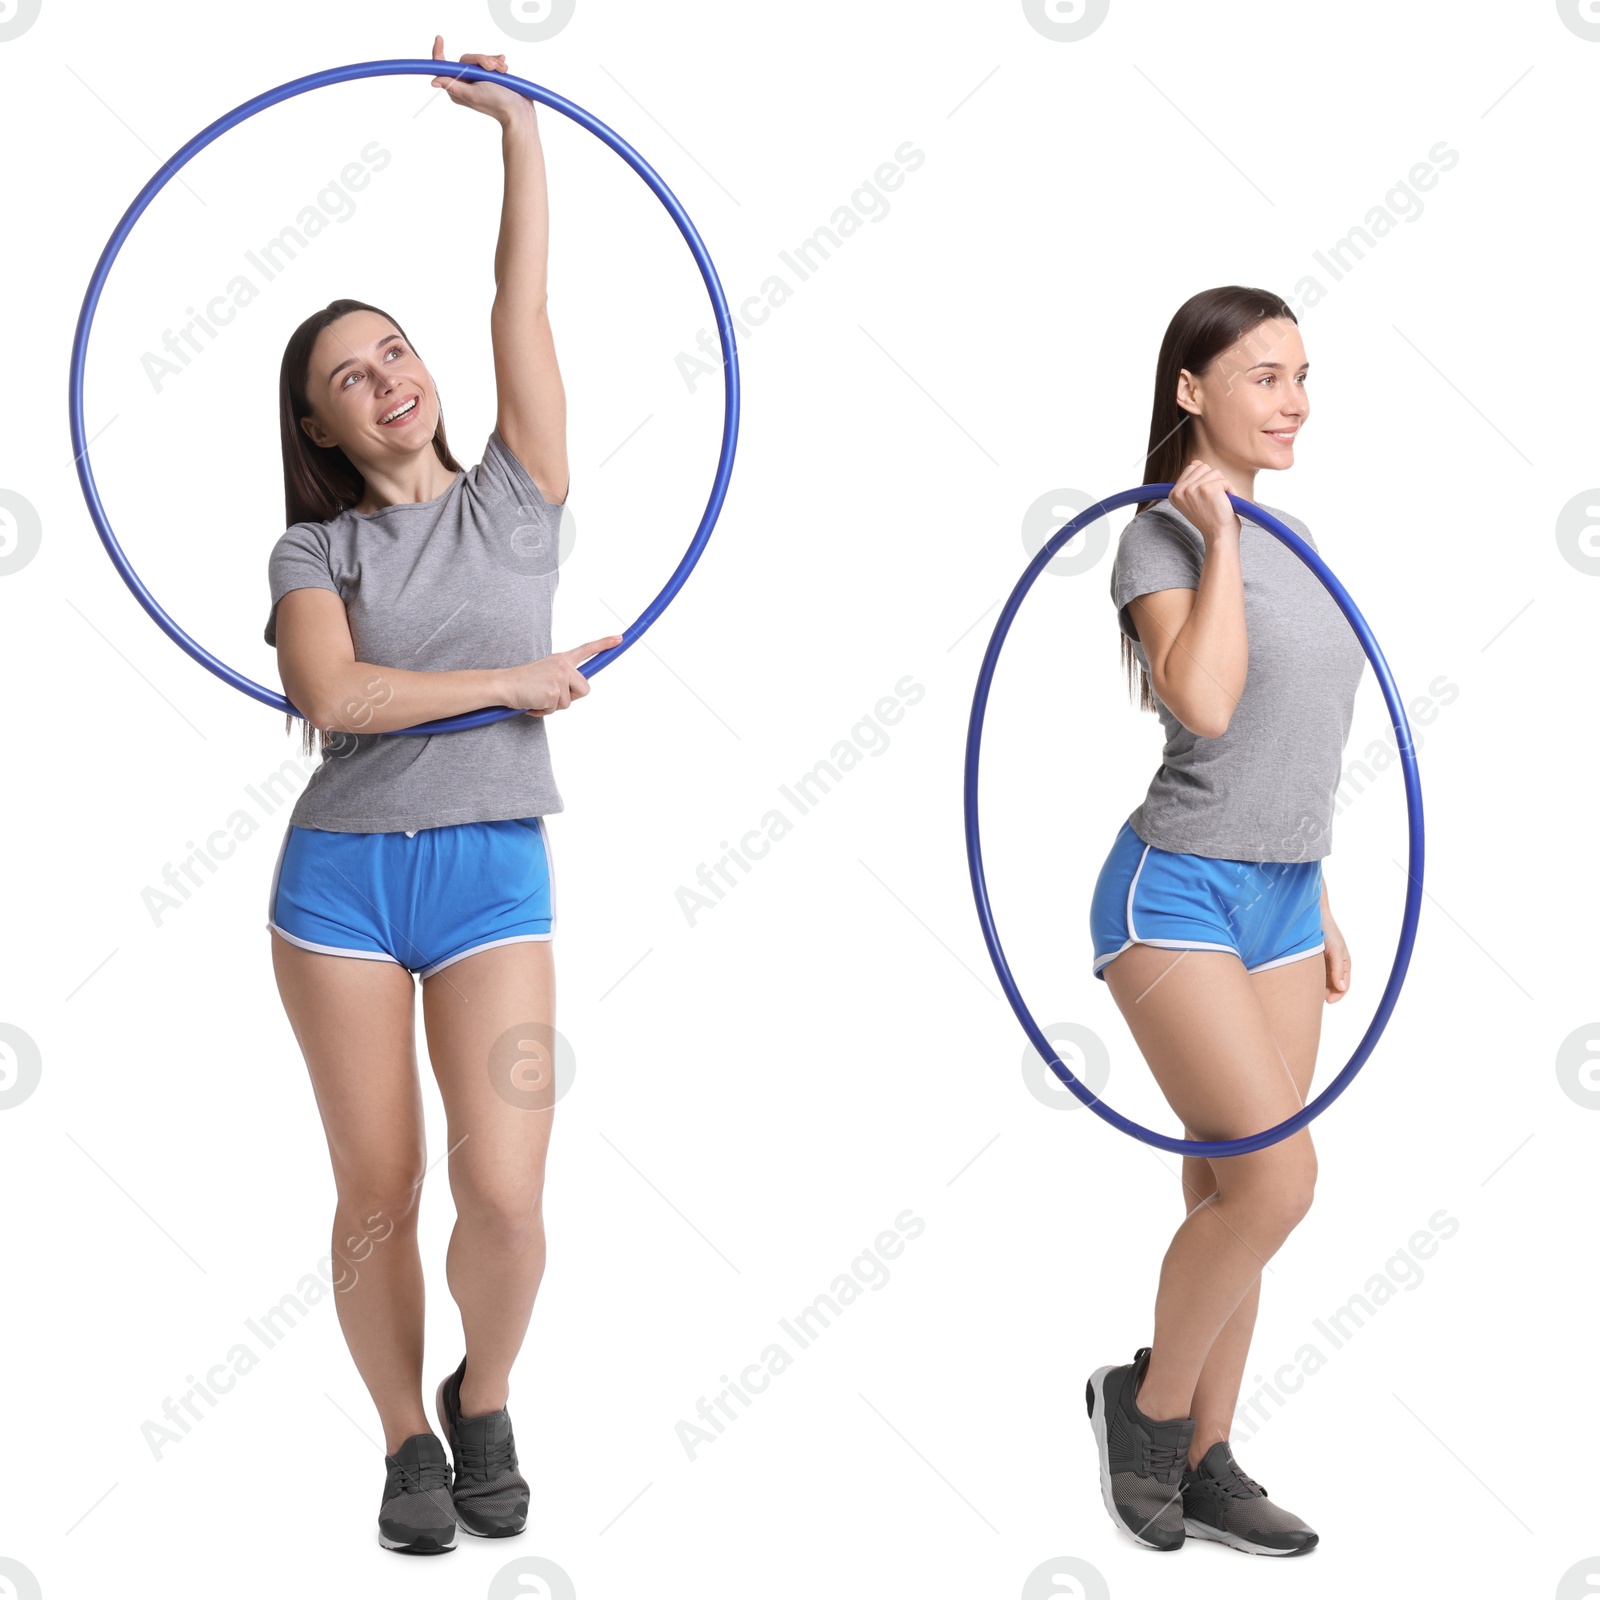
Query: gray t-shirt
{"x":463,"y":581}
{"x":1264,"y":790}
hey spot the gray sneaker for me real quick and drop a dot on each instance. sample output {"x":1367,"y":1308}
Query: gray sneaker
{"x":491,"y":1496}
{"x":416,"y":1517}
{"x":1222,"y":1502}
{"x":1141,"y":1459}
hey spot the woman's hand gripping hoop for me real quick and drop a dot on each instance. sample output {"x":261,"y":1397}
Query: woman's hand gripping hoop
{"x":1408,"y":762}
{"x":427,"y":69}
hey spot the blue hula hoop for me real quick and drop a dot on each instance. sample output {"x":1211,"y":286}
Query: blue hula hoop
{"x":1408,"y":762}
{"x":400,"y":68}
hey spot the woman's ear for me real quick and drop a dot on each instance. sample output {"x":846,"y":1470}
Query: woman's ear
{"x":1188,"y":392}
{"x":316,"y":432}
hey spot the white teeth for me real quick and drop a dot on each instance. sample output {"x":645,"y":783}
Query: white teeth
{"x":399,"y":411}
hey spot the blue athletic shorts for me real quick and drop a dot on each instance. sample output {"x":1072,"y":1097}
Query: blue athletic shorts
{"x":422,"y":899}
{"x":1265,"y":912}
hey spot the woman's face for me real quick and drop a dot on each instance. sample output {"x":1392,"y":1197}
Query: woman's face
{"x":1252,"y":401}
{"x":363,"y":372}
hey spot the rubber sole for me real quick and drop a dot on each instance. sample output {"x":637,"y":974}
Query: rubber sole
{"x":425,"y":1546}
{"x":1094,"y":1394}
{"x":1234,"y":1541}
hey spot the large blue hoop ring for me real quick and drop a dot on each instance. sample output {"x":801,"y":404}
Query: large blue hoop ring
{"x":1408,"y":762}
{"x":404,"y":68}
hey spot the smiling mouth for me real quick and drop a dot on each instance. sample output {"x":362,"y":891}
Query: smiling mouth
{"x":1283,"y":435}
{"x":399,"y":414}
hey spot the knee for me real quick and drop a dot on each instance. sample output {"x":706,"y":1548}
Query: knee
{"x":1295,"y":1195}
{"x":510,"y":1211}
{"x":1279,"y":1188}
{"x":381,"y":1194}
{"x":1199,"y":1178}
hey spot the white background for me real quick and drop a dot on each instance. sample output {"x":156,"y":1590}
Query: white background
{"x":762,"y":1091}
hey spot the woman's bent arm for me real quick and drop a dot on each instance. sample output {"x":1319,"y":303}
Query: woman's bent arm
{"x":1196,"y":642}
{"x":333,"y":691}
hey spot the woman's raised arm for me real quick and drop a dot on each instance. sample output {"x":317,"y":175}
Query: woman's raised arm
{"x":532,"y":404}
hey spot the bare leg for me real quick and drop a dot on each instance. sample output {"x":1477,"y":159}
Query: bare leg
{"x":355,"y":1025}
{"x":1217,"y":1391}
{"x":1202,"y":1028}
{"x":490,"y":1041}
{"x":1292,"y":997}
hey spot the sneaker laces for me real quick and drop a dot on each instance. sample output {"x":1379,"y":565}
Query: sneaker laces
{"x":1159,"y":1460}
{"x":423,"y":1476}
{"x":494,"y":1458}
{"x":1234,"y":1481}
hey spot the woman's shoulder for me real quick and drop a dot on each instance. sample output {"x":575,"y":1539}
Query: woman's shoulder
{"x":1287,"y":518}
{"x":501,"y":475}
{"x":1160,"y":521}
{"x":1163,"y":516}
{"x":303,"y":535}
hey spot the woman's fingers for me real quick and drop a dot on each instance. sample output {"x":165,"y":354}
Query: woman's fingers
{"x":594,"y":647}
{"x":496,"y":63}
{"x":1338,"y":972}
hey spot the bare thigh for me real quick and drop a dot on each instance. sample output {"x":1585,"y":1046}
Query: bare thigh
{"x":490,"y":1021}
{"x":355,"y":1022}
{"x":1292,"y":997}
{"x":1200,"y":1022}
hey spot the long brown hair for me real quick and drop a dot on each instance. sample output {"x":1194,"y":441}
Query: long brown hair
{"x":319,"y":482}
{"x":1203,"y":327}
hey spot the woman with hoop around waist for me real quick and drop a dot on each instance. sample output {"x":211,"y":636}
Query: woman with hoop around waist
{"x":407,"y":590}
{"x":1210,"y":918}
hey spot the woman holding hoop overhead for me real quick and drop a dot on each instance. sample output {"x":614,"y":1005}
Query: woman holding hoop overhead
{"x":1210,"y":920}
{"x":406,"y":590}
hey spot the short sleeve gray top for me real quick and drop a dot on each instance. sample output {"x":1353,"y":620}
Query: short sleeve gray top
{"x":1264,"y":790}
{"x":463,"y":581}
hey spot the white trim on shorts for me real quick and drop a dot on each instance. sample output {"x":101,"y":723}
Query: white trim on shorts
{"x":1283,"y":961}
{"x":515,"y":938}
{"x":1160,"y":944}
{"x":550,"y":869}
{"x":383,"y":955}
{"x":1188,"y":944}
{"x":333,"y":949}
{"x":306,"y":944}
